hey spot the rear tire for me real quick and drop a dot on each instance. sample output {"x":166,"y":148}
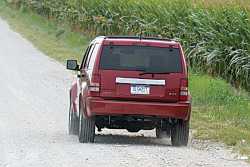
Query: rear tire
{"x":86,"y":129}
{"x":73,"y":124}
{"x":180,"y":133}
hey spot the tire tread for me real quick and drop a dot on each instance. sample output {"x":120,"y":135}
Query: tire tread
{"x":87,"y":130}
{"x":180,"y":133}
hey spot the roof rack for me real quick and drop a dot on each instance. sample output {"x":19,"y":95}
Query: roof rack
{"x":138,"y":37}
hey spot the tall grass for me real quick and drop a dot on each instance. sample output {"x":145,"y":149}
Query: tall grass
{"x":216,"y":37}
{"x":219,"y":113}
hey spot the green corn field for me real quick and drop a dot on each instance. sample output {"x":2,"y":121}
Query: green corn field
{"x":215,"y":34}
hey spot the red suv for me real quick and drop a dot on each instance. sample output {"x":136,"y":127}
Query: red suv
{"x":132,"y":83}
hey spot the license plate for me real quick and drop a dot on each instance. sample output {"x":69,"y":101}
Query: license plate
{"x":140,"y":90}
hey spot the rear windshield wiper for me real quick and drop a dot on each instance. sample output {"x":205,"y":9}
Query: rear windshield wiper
{"x":144,"y":73}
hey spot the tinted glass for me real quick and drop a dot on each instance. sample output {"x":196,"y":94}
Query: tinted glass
{"x":93,"y":56}
{"x":89,"y":55}
{"x":141,"y":58}
{"x":85,"y":56}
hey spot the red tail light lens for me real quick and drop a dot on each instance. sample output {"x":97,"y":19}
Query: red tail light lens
{"x":184,"y":90}
{"x":94,"y":86}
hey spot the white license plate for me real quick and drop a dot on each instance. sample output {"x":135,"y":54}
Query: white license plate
{"x":140,"y":90}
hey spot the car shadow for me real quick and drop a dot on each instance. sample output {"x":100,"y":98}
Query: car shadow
{"x":130,"y":140}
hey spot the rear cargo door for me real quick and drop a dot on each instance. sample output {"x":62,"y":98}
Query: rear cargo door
{"x":142,"y":73}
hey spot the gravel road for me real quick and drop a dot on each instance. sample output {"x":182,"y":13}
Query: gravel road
{"x":33,"y":122}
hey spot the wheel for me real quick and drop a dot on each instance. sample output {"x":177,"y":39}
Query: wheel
{"x":180,"y":133}
{"x":73,"y":123}
{"x":86,"y":129}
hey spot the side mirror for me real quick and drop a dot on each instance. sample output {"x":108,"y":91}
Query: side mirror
{"x":72,"y":65}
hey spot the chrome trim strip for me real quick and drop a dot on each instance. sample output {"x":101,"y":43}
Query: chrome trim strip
{"x":139,"y":81}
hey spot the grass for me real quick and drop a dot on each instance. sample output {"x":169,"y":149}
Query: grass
{"x":223,"y":3}
{"x":56,"y":41}
{"x":220,"y":112}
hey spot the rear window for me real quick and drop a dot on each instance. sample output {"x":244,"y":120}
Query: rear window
{"x":141,"y":58}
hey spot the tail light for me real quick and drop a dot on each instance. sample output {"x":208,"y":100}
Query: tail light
{"x":94,"y":86}
{"x":184,"y":90}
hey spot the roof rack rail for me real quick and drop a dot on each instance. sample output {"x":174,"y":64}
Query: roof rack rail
{"x":138,"y":37}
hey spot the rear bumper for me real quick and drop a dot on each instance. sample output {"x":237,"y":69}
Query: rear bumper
{"x":99,"y":106}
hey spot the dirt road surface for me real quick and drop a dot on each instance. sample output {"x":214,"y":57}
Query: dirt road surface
{"x":33,"y":122}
